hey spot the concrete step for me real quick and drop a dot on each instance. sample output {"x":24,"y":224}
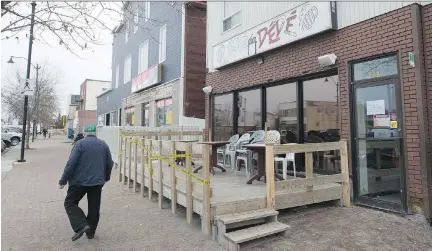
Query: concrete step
{"x":241,"y":236}
{"x":246,"y":216}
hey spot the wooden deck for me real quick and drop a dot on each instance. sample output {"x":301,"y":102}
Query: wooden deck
{"x":225,"y":193}
{"x":231,"y":194}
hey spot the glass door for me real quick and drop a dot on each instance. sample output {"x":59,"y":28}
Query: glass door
{"x":377,"y":142}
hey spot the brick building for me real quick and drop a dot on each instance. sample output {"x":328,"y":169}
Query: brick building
{"x":354,"y":54}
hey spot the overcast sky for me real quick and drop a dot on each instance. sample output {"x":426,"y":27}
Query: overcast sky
{"x":74,"y":70}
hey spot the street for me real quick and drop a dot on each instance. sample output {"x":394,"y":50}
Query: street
{"x":33,"y":216}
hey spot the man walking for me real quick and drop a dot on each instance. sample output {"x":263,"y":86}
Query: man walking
{"x":87,"y":170}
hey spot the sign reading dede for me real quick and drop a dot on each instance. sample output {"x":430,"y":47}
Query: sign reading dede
{"x":303,"y":21}
{"x":147,"y":78}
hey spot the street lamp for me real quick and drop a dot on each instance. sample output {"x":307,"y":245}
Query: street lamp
{"x":33,"y":4}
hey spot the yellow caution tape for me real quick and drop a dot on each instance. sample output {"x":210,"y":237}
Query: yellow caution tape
{"x":165,"y":158}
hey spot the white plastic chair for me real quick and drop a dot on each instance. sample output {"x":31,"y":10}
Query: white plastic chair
{"x":244,"y":154}
{"x":223,"y":150}
{"x":232,"y":149}
{"x":288,"y":157}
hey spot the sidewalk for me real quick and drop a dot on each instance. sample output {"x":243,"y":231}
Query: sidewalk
{"x":33,"y":216}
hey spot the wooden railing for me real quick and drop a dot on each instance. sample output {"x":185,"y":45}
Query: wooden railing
{"x":139,"y":148}
{"x":310,"y":181}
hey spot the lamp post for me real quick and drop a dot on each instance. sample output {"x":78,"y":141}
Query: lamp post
{"x":207,"y":90}
{"x":37,"y":67}
{"x":28,"y":76}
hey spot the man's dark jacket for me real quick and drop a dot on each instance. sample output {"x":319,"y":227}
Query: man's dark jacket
{"x":90,"y":163}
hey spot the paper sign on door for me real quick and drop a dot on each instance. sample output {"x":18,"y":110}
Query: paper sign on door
{"x":381,"y":121}
{"x":375,"y":107}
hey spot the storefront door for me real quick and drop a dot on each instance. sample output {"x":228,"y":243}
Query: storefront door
{"x":377,"y":145}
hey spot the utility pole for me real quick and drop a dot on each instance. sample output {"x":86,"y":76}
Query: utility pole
{"x":28,"y":76}
{"x":36,"y":103}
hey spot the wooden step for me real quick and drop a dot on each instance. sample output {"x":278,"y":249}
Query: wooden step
{"x":246,"y":216}
{"x":237,"y":237}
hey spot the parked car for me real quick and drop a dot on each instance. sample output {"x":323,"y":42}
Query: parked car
{"x":13,"y":137}
{"x":3,"y":146}
{"x":16,"y":129}
{"x":7,"y":143}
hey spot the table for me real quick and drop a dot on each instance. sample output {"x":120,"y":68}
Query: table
{"x":213,"y":162}
{"x":260,"y":150}
{"x":182,"y":160}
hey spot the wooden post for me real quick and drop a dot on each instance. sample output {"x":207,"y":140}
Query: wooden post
{"x":135,"y":166}
{"x":206,"y":214}
{"x":160,"y":171}
{"x":210,"y":134}
{"x":173,"y":180}
{"x":142,"y":167}
{"x":129,"y":164}
{"x":150,"y":163}
{"x":120,"y":157}
{"x":346,"y":195}
{"x":309,"y":169}
{"x":189,"y":198}
{"x":270,"y":180}
{"x":125,"y":159}
{"x":265,"y":133}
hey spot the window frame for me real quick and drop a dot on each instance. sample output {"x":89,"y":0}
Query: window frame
{"x":162,"y":45}
{"x":164,"y":111}
{"x":140,"y":66}
{"x":136,"y":21}
{"x":147,"y":11}
{"x":225,"y":18}
{"x":117,"y":76}
{"x":129,"y":69}
{"x":127,"y":30}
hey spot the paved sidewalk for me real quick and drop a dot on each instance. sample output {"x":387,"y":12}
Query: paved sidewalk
{"x":33,"y":216}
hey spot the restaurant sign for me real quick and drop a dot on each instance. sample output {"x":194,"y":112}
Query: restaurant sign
{"x":303,"y":21}
{"x":147,"y":78}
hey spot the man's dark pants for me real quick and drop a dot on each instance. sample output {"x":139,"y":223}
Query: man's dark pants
{"x":76,"y":215}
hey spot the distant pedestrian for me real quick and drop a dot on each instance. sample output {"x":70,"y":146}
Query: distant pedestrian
{"x":78,"y":137}
{"x":45,"y":131}
{"x":87,"y":170}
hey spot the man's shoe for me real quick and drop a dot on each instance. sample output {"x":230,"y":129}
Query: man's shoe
{"x":90,"y":236}
{"x":80,"y":232}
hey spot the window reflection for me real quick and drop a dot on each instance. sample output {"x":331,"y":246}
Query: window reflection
{"x":249,"y":111}
{"x":282,"y":111}
{"x":222,"y":117}
{"x":376,"y":68}
{"x":321,"y":119}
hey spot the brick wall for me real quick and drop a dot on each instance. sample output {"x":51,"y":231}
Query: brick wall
{"x":387,"y":33}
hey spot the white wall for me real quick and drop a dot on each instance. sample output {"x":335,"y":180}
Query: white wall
{"x":255,"y":13}
{"x":93,"y":89}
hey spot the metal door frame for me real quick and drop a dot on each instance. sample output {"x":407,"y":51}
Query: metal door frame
{"x":363,"y":200}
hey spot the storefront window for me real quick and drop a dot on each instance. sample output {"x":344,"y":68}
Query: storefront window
{"x":222,"y":117}
{"x":321,"y":119}
{"x":130,"y":116}
{"x":321,"y":114}
{"x":281,"y":103}
{"x":376,"y":68}
{"x":145,"y":114}
{"x":114,"y":116}
{"x":249,"y":111}
{"x":164,"y":112}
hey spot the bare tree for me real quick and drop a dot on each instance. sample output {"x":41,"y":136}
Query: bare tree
{"x":42,"y":106}
{"x":77,"y":25}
